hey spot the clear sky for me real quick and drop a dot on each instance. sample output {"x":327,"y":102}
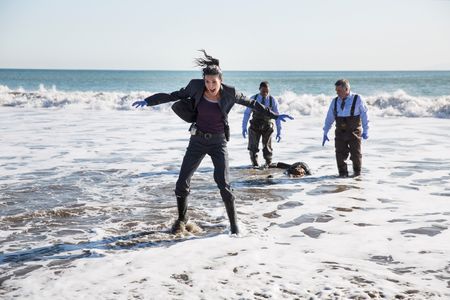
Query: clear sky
{"x":243,"y":34}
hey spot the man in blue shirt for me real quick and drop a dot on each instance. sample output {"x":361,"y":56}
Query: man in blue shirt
{"x":261,"y":126}
{"x":349,"y":111}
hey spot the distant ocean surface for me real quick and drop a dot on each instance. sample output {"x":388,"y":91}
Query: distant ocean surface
{"x":405,"y":93}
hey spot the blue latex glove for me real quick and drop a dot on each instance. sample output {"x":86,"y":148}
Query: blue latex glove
{"x":278,"y":137}
{"x":284,"y":117}
{"x":325,"y":138}
{"x":138,"y":104}
{"x":244,"y":132}
{"x":365,"y":136}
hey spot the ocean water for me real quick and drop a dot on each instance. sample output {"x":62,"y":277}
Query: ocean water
{"x":420,"y":83}
{"x":86,"y":192}
{"x":410,"y":94}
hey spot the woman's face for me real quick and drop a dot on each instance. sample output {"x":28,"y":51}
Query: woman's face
{"x":212,"y":83}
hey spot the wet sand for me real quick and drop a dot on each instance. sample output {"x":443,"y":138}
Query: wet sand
{"x":102,"y":232}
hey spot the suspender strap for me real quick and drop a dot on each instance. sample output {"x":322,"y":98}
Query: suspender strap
{"x":255,"y":97}
{"x":335,"y":107}
{"x":352,"y":110}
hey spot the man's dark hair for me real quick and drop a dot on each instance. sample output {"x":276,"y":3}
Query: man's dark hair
{"x":209,"y":65}
{"x":264,"y":84}
{"x":344,"y":83}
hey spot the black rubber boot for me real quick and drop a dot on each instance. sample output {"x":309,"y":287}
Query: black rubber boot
{"x":254,"y":158}
{"x":343,"y":172}
{"x":179,"y":227}
{"x":231,"y":212}
{"x":343,"y":175}
{"x":182,"y":208}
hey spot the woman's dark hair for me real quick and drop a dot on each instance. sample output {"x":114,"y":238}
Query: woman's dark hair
{"x":209,"y":65}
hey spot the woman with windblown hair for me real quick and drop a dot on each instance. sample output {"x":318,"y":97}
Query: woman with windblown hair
{"x":211,"y":101}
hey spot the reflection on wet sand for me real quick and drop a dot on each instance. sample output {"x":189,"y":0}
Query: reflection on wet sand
{"x":312,"y":232}
{"x":331,"y":189}
{"x":430,"y":231}
{"x":307,"y":218}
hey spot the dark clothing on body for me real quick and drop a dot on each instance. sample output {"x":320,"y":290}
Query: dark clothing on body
{"x":348,"y":140}
{"x":209,"y":118}
{"x":261,"y":126}
{"x":352,"y":122}
{"x":210,"y":139}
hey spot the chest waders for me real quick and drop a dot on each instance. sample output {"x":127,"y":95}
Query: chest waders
{"x":261,"y":126}
{"x":348,"y":140}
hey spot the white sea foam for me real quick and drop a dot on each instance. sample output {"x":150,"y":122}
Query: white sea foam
{"x":398,"y":103}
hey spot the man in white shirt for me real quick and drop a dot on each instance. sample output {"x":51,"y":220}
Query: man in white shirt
{"x":350,"y":112}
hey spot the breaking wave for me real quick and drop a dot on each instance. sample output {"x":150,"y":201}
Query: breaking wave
{"x":397,"y":103}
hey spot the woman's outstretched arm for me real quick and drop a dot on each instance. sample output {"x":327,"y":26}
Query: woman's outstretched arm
{"x":161,"y":98}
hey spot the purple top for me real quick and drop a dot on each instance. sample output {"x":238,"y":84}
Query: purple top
{"x":210,"y":117}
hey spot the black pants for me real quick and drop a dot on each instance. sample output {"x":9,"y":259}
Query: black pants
{"x":255,"y":133}
{"x":216,"y":148}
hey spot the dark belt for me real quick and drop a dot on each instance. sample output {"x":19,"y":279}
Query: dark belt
{"x":207,"y":135}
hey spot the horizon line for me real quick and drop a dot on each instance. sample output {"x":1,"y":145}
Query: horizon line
{"x":190,"y":70}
